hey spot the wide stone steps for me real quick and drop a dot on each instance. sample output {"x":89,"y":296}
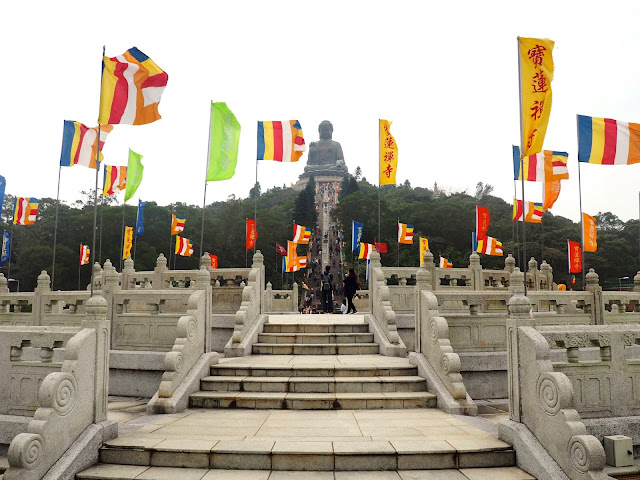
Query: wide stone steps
{"x":316,"y":338}
{"x":315,"y":349}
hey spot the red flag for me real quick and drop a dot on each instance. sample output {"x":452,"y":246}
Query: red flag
{"x":252,"y":234}
{"x":575,"y":257}
{"x":280,"y":249}
{"x":482,"y":222}
{"x":214,"y":261}
{"x":381,"y":247}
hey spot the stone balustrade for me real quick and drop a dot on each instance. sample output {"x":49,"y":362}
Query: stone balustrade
{"x":281,"y":301}
{"x":69,"y":400}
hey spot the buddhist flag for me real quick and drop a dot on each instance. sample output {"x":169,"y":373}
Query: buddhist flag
{"x":281,"y":141}
{"x":424,"y":246}
{"x":575,"y":256}
{"x":388,"y":154}
{"x":605,"y":141}
{"x":536,"y":74}
{"x":25,"y":210}
{"x":488,"y":245}
{"x":184,"y":248}
{"x":80,"y":144}
{"x":177,"y":223}
{"x":115,"y":178}
{"x":224,"y":138}
{"x":405,"y":233}
{"x":590,"y":233}
{"x":252,"y":234}
{"x":540,"y":166}
{"x":131,"y":88}
{"x":365,"y":250}
{"x":444,"y":263}
{"x":134,"y":174}
{"x":551,"y":193}
{"x":85,"y":254}
{"x":214,"y":261}
{"x":128,"y":242}
{"x":293,"y":262}
{"x":482,"y":222}
{"x":301,"y":234}
{"x":531,"y":212}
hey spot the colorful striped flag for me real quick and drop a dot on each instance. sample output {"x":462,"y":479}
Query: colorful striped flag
{"x":80,"y":144}
{"x":85,"y":254}
{"x":131,"y":88}
{"x":114,"y":178}
{"x":293,"y":262}
{"x":281,"y":141}
{"x":533,"y":213}
{"x":604,"y":141}
{"x":177,"y":223}
{"x":301,"y":234}
{"x":488,"y":245}
{"x":541,"y":166}
{"x":405,"y":233}
{"x":25,"y":210}
{"x":444,"y":263}
{"x":183,"y":247}
{"x":365,"y":250}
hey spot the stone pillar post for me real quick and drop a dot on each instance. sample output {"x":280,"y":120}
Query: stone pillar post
{"x":44,"y":286}
{"x":127,"y":272}
{"x":295,"y":296}
{"x":160,"y":268}
{"x":546,"y":273}
{"x":593,"y":286}
{"x":532,"y":275}
{"x":97,"y":277}
{"x":636,"y":283}
{"x":430,"y":266}
{"x":203,"y":282}
{"x":374,"y":263}
{"x":258,"y":262}
{"x":111,"y":285}
{"x":268,"y":298}
{"x":520,"y":315}
{"x":96,"y":318}
{"x":423,"y":282}
{"x":4,"y":284}
{"x":509,"y":263}
{"x":476,"y":271}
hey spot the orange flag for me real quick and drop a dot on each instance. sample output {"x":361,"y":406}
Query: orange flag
{"x":252,"y":234}
{"x":575,"y":257}
{"x":590,"y":233}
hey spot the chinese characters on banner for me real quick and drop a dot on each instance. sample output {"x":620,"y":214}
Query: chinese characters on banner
{"x":388,"y":154}
{"x":424,"y":246}
{"x":252,"y":234}
{"x":128,"y":242}
{"x":590,"y":233}
{"x":482,"y":222}
{"x":536,"y":74}
{"x":575,"y":257}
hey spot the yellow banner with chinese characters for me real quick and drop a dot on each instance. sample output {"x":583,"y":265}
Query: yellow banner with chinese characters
{"x":128,"y":242}
{"x":590,"y":233}
{"x":536,"y":74}
{"x":424,"y":246}
{"x":388,"y":154}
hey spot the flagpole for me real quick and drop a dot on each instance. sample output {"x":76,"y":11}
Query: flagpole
{"x":204,"y":202}
{"x":101,"y":209}
{"x":255,"y":204}
{"x":245,"y":242}
{"x":398,"y":245}
{"x":379,"y":173}
{"x":524,"y":223}
{"x":171,"y":237}
{"x":10,"y":250}
{"x":516,"y":227}
{"x":55,"y":233}
{"x":135,"y":236}
{"x":581,"y":225}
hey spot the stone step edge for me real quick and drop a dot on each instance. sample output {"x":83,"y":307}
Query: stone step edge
{"x":321,"y":397}
{"x":363,"y":344}
{"x":295,"y":379}
{"x":373,"y":460}
{"x":363,"y":371}
{"x":317,"y":334}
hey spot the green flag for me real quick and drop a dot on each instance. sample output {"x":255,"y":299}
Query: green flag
{"x":134,"y":174}
{"x":224,"y":138}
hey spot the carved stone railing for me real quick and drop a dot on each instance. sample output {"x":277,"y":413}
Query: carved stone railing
{"x":246,"y":321}
{"x":384,"y":318}
{"x":280,"y":301}
{"x":402,"y":299}
{"x":361,"y":301}
{"x":543,"y":399}
{"x":70,"y":400}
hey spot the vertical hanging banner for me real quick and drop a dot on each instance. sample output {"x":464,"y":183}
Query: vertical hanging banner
{"x":424,"y":246}
{"x":590,"y":233}
{"x":536,"y":74}
{"x":128,"y":242}
{"x":252,"y":234}
{"x":575,"y":256}
{"x":388,"y":154}
{"x":356,"y":235}
{"x":6,"y":248}
{"x":139,"y":219}
{"x":214,"y":261}
{"x":134,"y":174}
{"x":482,"y":222}
{"x":224,"y":138}
{"x":85,"y":254}
{"x":3,"y":184}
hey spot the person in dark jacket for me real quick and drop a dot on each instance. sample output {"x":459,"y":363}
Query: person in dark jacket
{"x":350,"y":282}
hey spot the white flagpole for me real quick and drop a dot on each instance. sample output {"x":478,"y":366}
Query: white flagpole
{"x":524,"y":224}
{"x":204,"y":202}
{"x":55,"y":233}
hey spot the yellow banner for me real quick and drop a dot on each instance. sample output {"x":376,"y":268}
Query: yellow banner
{"x":424,"y":246}
{"x":388,"y":154}
{"x":536,"y":74}
{"x":590,"y":233}
{"x":128,"y":242}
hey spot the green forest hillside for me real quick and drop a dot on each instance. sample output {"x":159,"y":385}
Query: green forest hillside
{"x":446,"y":220}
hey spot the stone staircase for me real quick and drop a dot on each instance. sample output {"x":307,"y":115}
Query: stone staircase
{"x":251,"y":419}
{"x":314,"y":362}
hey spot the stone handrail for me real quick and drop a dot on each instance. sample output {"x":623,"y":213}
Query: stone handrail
{"x":69,"y":400}
{"x":250,"y":308}
{"x":383,"y":314}
{"x":279,"y":301}
{"x":543,"y":399}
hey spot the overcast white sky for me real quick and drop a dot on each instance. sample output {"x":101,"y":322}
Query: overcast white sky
{"x":445,"y":73}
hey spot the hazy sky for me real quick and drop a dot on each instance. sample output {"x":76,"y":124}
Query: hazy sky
{"x":445,"y":73}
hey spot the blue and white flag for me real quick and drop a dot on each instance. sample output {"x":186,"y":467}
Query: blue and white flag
{"x":139,"y":224}
{"x":6,"y":248}
{"x":356,"y":235}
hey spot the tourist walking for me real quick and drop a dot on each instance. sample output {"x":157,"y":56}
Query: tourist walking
{"x":350,"y":286}
{"x":327,"y":290}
